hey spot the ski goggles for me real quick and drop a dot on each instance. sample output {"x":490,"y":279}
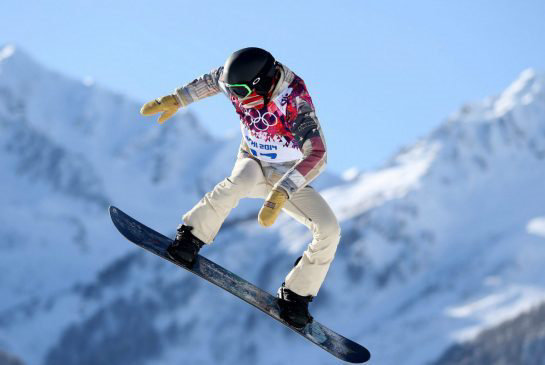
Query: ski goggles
{"x":240,"y":90}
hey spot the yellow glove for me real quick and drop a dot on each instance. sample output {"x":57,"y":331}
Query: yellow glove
{"x":168,"y":105}
{"x":272,"y":207}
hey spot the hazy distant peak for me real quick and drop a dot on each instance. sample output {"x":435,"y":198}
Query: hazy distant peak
{"x":6,"y":51}
{"x":12,"y":54}
{"x":524,"y":83}
{"x":18,"y":70}
{"x":523,"y":90}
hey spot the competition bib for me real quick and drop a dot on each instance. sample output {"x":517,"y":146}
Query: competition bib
{"x":270,"y":150}
{"x":265,"y":134}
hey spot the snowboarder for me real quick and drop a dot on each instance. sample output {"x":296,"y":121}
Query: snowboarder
{"x":281,"y":152}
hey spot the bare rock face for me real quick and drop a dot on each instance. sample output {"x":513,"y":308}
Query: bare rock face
{"x":7,"y":359}
{"x":518,"y":341}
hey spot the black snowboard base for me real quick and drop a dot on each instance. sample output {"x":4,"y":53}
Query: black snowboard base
{"x":332,"y":342}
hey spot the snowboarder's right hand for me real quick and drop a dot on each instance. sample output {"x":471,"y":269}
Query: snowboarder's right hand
{"x":168,"y":105}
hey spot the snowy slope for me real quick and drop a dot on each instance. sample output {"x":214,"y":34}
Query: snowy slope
{"x":517,"y":341}
{"x":444,"y":241}
{"x":454,"y":254}
{"x":68,"y":149}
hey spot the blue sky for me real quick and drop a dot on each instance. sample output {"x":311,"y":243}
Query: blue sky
{"x":381,"y":73}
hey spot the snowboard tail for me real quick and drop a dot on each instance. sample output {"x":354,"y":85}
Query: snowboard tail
{"x":330,"y":341}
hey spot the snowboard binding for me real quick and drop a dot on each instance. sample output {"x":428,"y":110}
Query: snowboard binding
{"x":185,"y":246}
{"x":294,"y":307}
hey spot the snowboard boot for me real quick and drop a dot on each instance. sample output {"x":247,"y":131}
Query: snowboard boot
{"x":293,"y":307}
{"x":185,"y":247}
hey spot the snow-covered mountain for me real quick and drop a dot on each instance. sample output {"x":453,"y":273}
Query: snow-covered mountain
{"x":446,"y":240}
{"x":518,"y":341}
{"x":68,"y":150}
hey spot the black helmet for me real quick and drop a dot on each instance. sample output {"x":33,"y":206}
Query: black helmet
{"x":249,"y":69}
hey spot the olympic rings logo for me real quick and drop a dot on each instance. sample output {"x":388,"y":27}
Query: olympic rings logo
{"x":261,"y":122}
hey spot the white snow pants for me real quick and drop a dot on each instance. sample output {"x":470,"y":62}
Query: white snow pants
{"x":248,"y":180}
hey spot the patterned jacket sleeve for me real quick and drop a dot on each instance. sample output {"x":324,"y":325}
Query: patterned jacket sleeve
{"x":200,"y":88}
{"x":308,"y":133}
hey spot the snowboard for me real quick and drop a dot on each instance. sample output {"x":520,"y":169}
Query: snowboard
{"x":147,"y":238}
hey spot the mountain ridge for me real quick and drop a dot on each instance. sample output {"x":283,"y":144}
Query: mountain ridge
{"x":436,"y":243}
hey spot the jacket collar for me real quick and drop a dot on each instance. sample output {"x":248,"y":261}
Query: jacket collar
{"x":285,"y":79}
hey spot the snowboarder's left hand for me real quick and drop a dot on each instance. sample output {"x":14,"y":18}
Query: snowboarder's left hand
{"x":272,"y":207}
{"x":168,"y":105}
